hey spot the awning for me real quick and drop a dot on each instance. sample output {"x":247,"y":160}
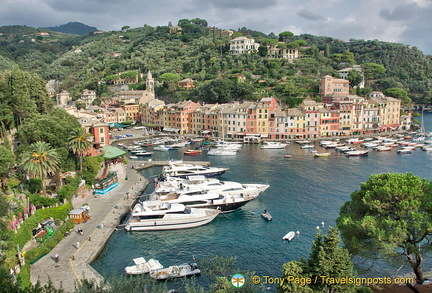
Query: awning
{"x":111,"y":152}
{"x":169,"y":129}
{"x":205,"y":131}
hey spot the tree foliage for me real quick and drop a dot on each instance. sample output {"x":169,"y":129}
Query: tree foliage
{"x":216,"y":91}
{"x":390,"y":215}
{"x":7,"y":161}
{"x":327,"y":262}
{"x":202,"y":53}
{"x":371,"y":71}
{"x":22,"y":95}
{"x":79,"y":143}
{"x":285,"y":36}
{"x":39,"y":161}
{"x":398,"y":93}
{"x":355,"y":78}
{"x":54,"y":128}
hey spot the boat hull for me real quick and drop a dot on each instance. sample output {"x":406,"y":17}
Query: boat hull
{"x":266,"y":216}
{"x":208,"y":175}
{"x":169,"y":224}
{"x":289,"y":236}
{"x":184,"y":270}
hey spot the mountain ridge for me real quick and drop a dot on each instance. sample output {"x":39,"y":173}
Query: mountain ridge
{"x":74,"y":27}
{"x":203,"y":54}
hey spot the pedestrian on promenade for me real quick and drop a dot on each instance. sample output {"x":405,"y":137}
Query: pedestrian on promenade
{"x":56,"y":257}
{"x":77,"y":245}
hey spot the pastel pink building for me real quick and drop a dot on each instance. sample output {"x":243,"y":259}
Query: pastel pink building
{"x":333,"y":86}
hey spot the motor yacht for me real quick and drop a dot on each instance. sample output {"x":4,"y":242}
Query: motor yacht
{"x":158,"y":215}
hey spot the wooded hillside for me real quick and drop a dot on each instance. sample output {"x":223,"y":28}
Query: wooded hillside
{"x":202,"y":53}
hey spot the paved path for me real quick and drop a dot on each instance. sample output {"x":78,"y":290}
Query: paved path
{"x":106,"y":210}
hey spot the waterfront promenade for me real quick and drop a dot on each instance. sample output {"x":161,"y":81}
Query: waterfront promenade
{"x":106,"y":210}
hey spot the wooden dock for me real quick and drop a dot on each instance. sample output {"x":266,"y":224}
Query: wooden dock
{"x":141,"y":165}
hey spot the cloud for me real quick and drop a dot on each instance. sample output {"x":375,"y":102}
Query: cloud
{"x":401,"y":12}
{"x":406,"y":21}
{"x":240,"y":4}
{"x":309,"y":15}
{"x":85,"y":6}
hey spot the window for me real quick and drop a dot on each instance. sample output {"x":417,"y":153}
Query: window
{"x":101,"y":130}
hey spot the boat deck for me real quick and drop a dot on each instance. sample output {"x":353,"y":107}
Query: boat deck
{"x":150,"y":164}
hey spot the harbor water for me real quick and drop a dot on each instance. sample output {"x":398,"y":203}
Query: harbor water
{"x":304,"y":192}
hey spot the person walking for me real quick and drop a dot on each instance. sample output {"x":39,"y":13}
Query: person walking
{"x":77,"y":245}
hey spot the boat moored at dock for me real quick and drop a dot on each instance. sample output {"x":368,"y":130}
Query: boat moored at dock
{"x":177,"y":271}
{"x":183,"y":170}
{"x":141,"y":266}
{"x":156,"y":216}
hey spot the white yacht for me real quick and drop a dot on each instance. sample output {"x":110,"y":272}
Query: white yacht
{"x":201,"y":192}
{"x":143,"y":154}
{"x":222,"y":152}
{"x":141,"y":266}
{"x":183,"y":170}
{"x":273,"y":145}
{"x":161,"y":148}
{"x":210,"y":184}
{"x":228,"y":145}
{"x":157,"y":215}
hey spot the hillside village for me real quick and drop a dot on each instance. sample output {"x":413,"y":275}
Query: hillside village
{"x":339,"y":114}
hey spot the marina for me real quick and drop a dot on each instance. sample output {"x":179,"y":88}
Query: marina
{"x":303,"y":193}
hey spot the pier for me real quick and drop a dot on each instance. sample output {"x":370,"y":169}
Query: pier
{"x":106,"y":212}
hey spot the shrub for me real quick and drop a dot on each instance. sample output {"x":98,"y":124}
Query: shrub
{"x":35,"y":253}
{"x":69,"y":189}
{"x":91,"y":166}
{"x":35,"y":185}
{"x":24,"y":234}
{"x":38,"y":200}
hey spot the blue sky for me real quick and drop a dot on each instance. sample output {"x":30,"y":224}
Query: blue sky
{"x":402,"y":21}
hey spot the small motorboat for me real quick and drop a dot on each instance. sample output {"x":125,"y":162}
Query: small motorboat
{"x":143,"y":154}
{"x":183,"y":270}
{"x":321,"y":154}
{"x":191,"y":152}
{"x":133,"y":157}
{"x":141,"y":266}
{"x":288,"y":156}
{"x":266,"y":216}
{"x":289,"y":236}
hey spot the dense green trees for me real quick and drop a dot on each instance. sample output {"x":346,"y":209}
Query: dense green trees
{"x":398,"y":93}
{"x":355,"y":78}
{"x":390,"y":216}
{"x":39,"y":161}
{"x":22,"y":95}
{"x":79,"y":143}
{"x":201,"y":53}
{"x":53,"y":128}
{"x":327,"y":262}
{"x":216,"y":91}
{"x":7,"y":161}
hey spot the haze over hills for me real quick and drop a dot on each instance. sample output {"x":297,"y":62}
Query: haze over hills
{"x":202,"y":53}
{"x":76,"y":28}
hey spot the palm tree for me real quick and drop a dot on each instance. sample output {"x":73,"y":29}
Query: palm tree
{"x":78,"y":143}
{"x":41,"y":160}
